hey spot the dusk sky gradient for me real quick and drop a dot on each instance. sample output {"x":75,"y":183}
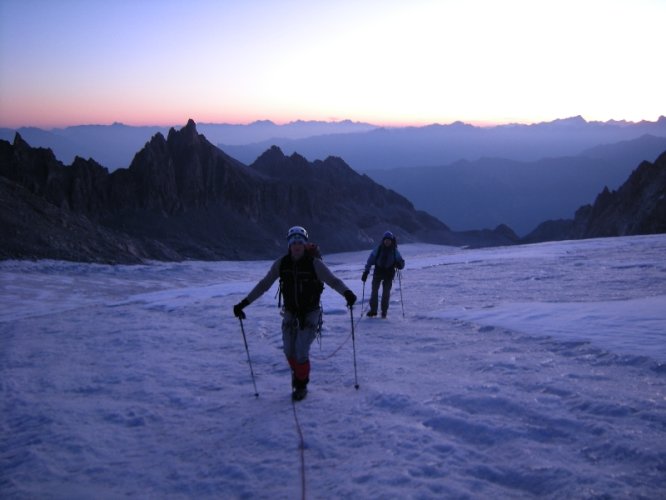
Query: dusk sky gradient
{"x":386,"y":62}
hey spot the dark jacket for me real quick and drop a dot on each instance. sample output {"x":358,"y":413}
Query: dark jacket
{"x":322,"y":273}
{"x":299,"y":285}
{"x":386,"y":260}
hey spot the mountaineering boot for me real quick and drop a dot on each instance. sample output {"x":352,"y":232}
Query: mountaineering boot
{"x":299,"y":394}
{"x":384,"y":314}
{"x":371,"y":314}
{"x":300,"y":389}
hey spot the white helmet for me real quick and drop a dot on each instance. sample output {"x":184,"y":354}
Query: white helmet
{"x":297,"y":230}
{"x":296,"y":234}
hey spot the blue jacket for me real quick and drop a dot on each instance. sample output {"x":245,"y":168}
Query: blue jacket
{"x":386,"y":260}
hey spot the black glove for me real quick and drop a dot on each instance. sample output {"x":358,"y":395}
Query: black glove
{"x":365,"y":276}
{"x":238,"y":309}
{"x":400,"y":265}
{"x":351,"y":298}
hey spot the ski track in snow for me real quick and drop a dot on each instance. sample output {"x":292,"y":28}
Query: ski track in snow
{"x":518,"y":372}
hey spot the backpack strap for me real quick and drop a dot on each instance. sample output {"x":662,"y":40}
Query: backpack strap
{"x":279,"y":290}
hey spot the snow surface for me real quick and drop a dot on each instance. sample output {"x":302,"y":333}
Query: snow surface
{"x":516,"y":372}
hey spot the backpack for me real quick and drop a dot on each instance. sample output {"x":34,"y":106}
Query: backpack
{"x":311,"y":250}
{"x":379,"y":249}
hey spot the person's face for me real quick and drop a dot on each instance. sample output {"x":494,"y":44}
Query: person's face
{"x":297,"y":249}
{"x":387,"y":242}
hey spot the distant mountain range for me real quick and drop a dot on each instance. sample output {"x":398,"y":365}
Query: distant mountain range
{"x":521,"y":194}
{"x":435,"y":145}
{"x":364,"y":146}
{"x":183,"y":198}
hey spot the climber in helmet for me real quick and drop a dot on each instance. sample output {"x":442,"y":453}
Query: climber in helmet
{"x":386,"y":258}
{"x":302,"y":276}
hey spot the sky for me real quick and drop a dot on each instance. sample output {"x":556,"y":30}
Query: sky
{"x":385,"y":62}
{"x":532,"y":371}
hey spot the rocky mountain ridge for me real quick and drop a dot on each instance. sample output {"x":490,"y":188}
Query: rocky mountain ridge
{"x":638,"y":206}
{"x":183,"y":198}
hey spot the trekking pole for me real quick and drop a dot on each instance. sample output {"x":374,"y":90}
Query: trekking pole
{"x":351,"y":313}
{"x":402,"y":304}
{"x":362,"y":300}
{"x":256,"y":394}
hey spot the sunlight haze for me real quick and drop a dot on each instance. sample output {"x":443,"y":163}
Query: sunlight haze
{"x":383,"y":62}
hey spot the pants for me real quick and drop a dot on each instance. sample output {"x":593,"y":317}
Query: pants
{"x":296,"y":342}
{"x":386,"y":280}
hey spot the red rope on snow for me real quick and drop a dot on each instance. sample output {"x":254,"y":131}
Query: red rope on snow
{"x":301,"y":447}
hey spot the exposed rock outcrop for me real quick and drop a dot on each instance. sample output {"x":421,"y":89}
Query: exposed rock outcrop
{"x":637,"y":207}
{"x":183,"y":198}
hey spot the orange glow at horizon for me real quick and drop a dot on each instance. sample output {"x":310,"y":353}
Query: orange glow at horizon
{"x":520,"y":62}
{"x":38,"y":120}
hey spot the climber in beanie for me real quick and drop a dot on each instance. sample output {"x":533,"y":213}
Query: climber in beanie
{"x":302,"y":277}
{"x":386,"y":258}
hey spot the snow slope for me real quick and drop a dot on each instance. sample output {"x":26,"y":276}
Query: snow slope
{"x":517,"y":372}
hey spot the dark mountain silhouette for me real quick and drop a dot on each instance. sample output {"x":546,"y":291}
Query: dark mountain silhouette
{"x":115,"y":145}
{"x":492,"y":191}
{"x":111,"y":145}
{"x":183,"y":198}
{"x":637,"y":207}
